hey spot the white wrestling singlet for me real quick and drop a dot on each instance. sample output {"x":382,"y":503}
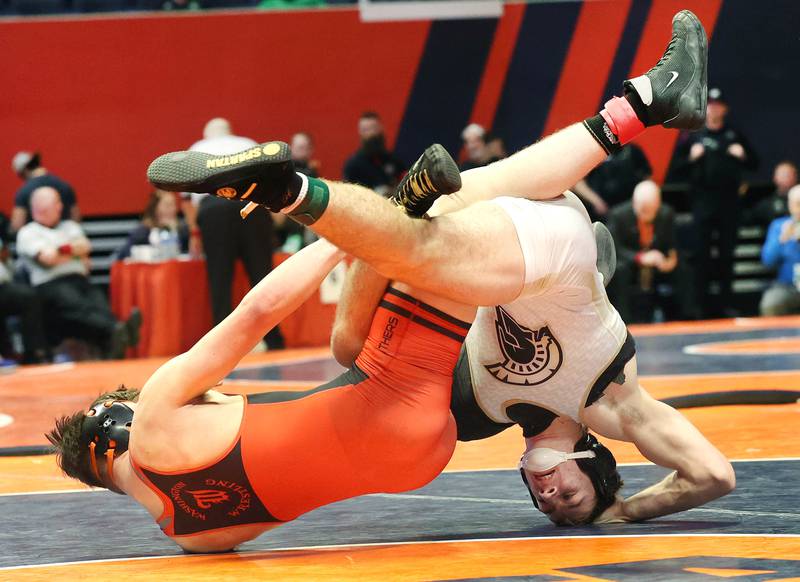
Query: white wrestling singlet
{"x":550,"y":346}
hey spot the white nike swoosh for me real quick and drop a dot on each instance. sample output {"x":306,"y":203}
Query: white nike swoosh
{"x":672,"y":80}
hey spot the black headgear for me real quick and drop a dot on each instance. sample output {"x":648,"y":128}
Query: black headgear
{"x":106,"y":434}
{"x":601,"y":470}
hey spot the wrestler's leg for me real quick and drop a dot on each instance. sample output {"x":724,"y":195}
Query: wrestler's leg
{"x":540,"y":171}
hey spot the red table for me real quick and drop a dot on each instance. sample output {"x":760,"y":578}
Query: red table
{"x":174,"y":300}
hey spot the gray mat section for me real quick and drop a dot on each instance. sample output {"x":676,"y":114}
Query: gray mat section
{"x":42,"y":529}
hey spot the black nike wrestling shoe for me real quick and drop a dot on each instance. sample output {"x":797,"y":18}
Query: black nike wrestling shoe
{"x":260,"y":174}
{"x":675,"y":91}
{"x":606,"y":252}
{"x":434,"y":174}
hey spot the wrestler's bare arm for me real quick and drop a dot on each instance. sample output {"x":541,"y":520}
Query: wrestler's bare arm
{"x":665,"y":437}
{"x":215,"y":355}
{"x":363,"y":289}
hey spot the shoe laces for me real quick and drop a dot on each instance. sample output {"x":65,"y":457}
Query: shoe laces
{"x":418,"y":185}
{"x":672,"y":43}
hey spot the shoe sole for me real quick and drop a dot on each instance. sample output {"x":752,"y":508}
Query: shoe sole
{"x":200,"y":172}
{"x":686,"y":100}
{"x":444,"y":167}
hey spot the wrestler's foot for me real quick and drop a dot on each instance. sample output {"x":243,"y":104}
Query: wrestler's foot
{"x":674,"y":92}
{"x":434,"y":174}
{"x":261,"y":174}
{"x":606,"y":252}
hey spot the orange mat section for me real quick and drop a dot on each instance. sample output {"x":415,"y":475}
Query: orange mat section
{"x":64,"y":388}
{"x":428,"y":561}
{"x":717,"y":325}
{"x":766,"y":346}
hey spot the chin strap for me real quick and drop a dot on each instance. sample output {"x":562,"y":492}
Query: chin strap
{"x":109,"y":463}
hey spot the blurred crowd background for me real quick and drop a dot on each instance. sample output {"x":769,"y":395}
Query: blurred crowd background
{"x":706,"y":224}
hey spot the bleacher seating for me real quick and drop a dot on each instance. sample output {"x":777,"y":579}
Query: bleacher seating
{"x":101,"y":5}
{"x":106,"y":235}
{"x":213,"y":4}
{"x":34,"y":7}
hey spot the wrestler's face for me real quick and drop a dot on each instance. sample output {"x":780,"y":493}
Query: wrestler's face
{"x":565,"y":494}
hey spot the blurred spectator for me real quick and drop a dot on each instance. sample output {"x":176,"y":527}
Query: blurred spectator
{"x":613,"y":181}
{"x":785,"y":178}
{"x":373,"y":165}
{"x":56,"y":254}
{"x":303,"y":154}
{"x":5,"y":228}
{"x":644,"y":236}
{"x":28,"y":167}
{"x":225,"y":236}
{"x":181,"y":5}
{"x":716,"y":155}
{"x":782,"y":251}
{"x":22,"y":301}
{"x":496,"y":146}
{"x":161,"y":215}
{"x":475,"y":147}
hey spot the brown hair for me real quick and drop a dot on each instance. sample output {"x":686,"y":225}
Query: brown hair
{"x":66,"y":436}
{"x":149,"y":214}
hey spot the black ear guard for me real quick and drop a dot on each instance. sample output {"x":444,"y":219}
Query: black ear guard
{"x":601,"y":470}
{"x":106,"y":434}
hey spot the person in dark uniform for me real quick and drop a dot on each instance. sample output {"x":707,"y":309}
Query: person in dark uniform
{"x":373,"y":165}
{"x":647,"y":259}
{"x":716,"y":157}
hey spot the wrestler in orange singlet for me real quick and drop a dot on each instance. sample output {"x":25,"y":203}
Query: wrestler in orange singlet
{"x":216,"y":470}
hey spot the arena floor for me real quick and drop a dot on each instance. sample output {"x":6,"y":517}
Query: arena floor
{"x":474,"y":522}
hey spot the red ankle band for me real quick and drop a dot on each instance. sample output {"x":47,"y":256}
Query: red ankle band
{"x":621,"y":119}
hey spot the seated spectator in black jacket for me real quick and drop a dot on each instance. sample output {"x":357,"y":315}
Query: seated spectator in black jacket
{"x":56,"y":254}
{"x":644,"y":236}
{"x":373,"y":165}
{"x":160,"y":216}
{"x":28,"y":166}
{"x":22,"y":301}
{"x":775,"y":205}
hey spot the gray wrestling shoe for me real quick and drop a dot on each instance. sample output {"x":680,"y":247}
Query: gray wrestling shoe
{"x":260,"y":174}
{"x":606,"y":252}
{"x":675,"y":91}
{"x":434,"y":174}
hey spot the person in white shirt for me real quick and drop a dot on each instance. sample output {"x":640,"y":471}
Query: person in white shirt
{"x":55,"y":253}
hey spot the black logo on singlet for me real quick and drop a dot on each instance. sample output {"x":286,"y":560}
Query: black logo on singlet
{"x":229,"y":497}
{"x":531,"y":357}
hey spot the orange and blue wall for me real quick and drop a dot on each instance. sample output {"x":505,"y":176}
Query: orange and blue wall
{"x":100,"y":97}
